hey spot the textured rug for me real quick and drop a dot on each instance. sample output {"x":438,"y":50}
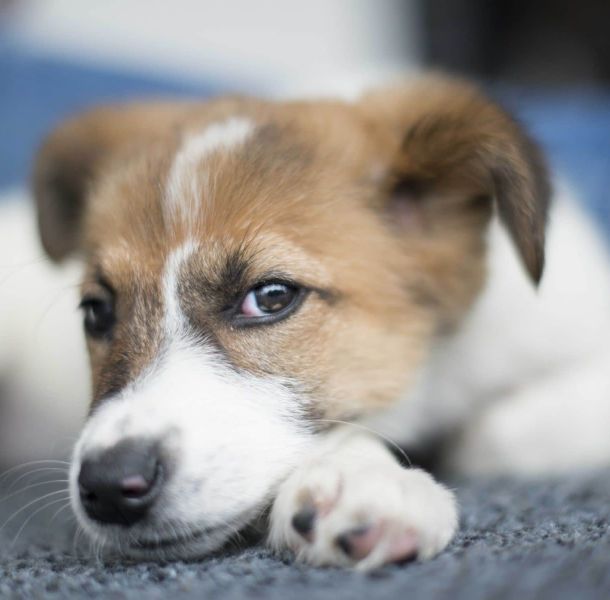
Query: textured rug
{"x":543,"y":540}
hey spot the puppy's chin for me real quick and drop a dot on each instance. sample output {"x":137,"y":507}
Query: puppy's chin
{"x":167,"y":539}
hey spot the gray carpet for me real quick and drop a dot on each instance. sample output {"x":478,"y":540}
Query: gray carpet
{"x":542,"y":540}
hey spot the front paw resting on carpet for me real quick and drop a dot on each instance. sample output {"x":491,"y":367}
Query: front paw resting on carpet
{"x":352,"y":505}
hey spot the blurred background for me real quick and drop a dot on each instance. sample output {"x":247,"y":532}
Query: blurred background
{"x":548,"y":61}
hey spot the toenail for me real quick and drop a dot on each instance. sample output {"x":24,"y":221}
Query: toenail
{"x":303,"y":521}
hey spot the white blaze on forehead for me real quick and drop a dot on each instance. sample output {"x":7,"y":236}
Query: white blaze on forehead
{"x":174,"y":318}
{"x":186,"y":183}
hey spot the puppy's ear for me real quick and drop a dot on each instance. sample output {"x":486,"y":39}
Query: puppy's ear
{"x":451,"y":141}
{"x":73,"y":155}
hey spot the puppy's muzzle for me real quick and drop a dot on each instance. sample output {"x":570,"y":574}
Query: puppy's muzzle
{"x":119,"y":486}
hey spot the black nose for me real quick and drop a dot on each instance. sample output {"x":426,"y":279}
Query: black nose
{"x":120,"y":485}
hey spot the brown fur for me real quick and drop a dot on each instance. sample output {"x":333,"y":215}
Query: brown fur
{"x":380,"y":208}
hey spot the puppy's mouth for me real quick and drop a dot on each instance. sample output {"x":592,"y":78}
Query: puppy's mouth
{"x":181,"y":539}
{"x":184,"y":539}
{"x":191,"y":541}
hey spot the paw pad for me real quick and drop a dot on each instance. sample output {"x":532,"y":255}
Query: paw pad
{"x":359,"y":541}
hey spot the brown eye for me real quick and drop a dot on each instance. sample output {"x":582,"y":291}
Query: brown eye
{"x":269,"y":302}
{"x":99,"y":316}
{"x":268,"y":299}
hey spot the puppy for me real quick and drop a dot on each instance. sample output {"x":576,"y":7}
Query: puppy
{"x":274,"y":290}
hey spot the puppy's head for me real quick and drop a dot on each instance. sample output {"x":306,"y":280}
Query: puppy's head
{"x":257,"y":270}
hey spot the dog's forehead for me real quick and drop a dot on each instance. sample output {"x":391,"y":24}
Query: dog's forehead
{"x":225,"y":180}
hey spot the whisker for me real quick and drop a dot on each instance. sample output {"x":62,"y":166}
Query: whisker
{"x":79,"y":531}
{"x":61,"y":508}
{"x":59,"y":293}
{"x":26,"y":506}
{"x":118,"y":547}
{"x":39,"y":509}
{"x":26,"y":263}
{"x":99,"y":550}
{"x":376,"y":433}
{"x":13,"y":269}
{"x":33,"y":485}
{"x":91,"y":543}
{"x":42,"y":469}
{"x":32,"y":463}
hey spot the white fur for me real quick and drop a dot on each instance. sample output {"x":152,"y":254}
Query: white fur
{"x":232,"y":438}
{"x":354,"y":481}
{"x":527,"y":372}
{"x":44,"y":373}
{"x":188,"y":181}
{"x":175,"y":322}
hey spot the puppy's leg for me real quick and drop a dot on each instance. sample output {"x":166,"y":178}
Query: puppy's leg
{"x":353,"y":504}
{"x":552,"y":425}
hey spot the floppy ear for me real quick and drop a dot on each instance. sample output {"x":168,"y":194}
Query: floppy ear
{"x":451,"y":141}
{"x":73,"y":155}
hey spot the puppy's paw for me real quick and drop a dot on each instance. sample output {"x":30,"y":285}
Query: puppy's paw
{"x":330,"y":513}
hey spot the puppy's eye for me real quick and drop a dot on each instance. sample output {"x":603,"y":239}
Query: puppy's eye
{"x":270,"y":302}
{"x":99,"y":316}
